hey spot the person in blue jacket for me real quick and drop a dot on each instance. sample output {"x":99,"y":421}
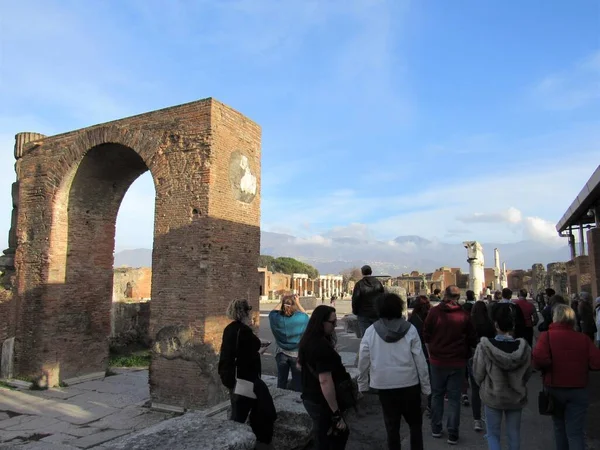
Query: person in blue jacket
{"x":288,"y":321}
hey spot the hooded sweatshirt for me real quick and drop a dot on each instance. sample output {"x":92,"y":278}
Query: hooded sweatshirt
{"x":390,"y":352}
{"x":450,"y":335}
{"x":502,"y":369}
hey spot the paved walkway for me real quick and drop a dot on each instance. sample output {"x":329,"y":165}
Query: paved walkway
{"x":367,"y":431}
{"x":79,"y":416}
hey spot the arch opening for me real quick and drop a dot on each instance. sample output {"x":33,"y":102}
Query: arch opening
{"x":82,"y":254}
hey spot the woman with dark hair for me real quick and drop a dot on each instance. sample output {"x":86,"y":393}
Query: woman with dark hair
{"x":391,"y":351}
{"x":288,"y":321}
{"x":240,"y":370}
{"x":484,"y":327}
{"x":322,"y":370}
{"x":417,"y":318}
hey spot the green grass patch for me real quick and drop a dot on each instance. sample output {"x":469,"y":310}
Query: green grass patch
{"x":138,"y":359}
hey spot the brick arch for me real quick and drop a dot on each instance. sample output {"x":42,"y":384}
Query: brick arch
{"x":205,"y":162}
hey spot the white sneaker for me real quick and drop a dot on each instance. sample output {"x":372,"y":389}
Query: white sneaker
{"x":478,"y":425}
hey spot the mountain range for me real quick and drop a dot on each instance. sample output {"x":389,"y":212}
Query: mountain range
{"x":400,"y":255}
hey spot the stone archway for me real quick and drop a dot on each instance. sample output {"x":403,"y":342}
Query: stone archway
{"x":204,"y":158}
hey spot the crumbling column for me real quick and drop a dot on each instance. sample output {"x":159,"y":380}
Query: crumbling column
{"x":7,"y":259}
{"x":538,"y":279}
{"x":503,"y":277}
{"x":476,"y":267}
{"x":496,"y":269}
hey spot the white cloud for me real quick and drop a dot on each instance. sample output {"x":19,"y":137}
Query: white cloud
{"x":540,"y":230}
{"x":315,"y":239}
{"x":511,"y":215}
{"x":572,"y":88}
{"x":354,"y":230}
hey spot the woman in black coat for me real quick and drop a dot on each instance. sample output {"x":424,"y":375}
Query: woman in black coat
{"x":239,"y":364}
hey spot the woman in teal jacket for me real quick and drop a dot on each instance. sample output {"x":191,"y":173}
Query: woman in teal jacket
{"x":288,"y":321}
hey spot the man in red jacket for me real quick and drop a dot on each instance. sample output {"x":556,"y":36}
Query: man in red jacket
{"x":449,"y":336}
{"x":530,"y":315}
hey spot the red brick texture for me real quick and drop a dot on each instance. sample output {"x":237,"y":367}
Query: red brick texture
{"x":206,"y":244}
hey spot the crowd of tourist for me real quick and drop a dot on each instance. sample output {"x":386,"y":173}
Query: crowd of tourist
{"x":422,"y":364}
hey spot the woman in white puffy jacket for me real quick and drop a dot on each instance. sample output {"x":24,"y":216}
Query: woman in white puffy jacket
{"x":391,"y":353}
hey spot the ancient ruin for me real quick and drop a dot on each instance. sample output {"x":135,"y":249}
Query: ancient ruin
{"x":476,"y":267}
{"x":204,"y":158}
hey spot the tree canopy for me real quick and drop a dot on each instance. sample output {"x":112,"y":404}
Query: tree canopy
{"x":287,"y":265}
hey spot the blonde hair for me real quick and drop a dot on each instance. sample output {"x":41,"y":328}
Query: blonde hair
{"x":238,"y":310}
{"x":563,"y":314}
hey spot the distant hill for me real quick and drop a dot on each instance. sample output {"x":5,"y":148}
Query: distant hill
{"x":139,"y":257}
{"x":403,"y":254}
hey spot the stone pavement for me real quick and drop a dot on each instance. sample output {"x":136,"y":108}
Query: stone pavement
{"x":79,"y":416}
{"x":367,"y":430}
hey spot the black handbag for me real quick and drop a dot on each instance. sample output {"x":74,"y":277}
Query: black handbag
{"x":546,"y":402}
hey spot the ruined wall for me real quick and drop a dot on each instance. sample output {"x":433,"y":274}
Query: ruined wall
{"x":538,"y":279}
{"x":130,"y":324}
{"x":557,"y":278}
{"x":204,"y":159}
{"x":132,"y":284}
{"x":516,"y":280}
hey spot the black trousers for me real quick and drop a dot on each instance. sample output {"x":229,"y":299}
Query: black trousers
{"x":321,"y":417}
{"x":398,"y":403}
{"x":241,"y":407}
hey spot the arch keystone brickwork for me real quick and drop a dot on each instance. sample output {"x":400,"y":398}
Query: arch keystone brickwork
{"x":204,"y":158}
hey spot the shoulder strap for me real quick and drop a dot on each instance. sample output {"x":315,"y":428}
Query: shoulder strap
{"x":237,"y":345}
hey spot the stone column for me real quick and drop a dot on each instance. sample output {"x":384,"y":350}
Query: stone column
{"x":503,"y":277}
{"x":305,"y":286}
{"x":320,"y":287}
{"x":476,"y":267}
{"x":581,"y":242}
{"x":593,"y":241}
{"x":496,"y":268}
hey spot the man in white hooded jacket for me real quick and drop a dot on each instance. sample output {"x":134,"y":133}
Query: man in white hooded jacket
{"x":392,"y":353}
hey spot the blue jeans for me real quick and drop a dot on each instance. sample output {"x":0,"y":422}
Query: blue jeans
{"x":570,"y":421}
{"x":286,"y":363}
{"x":446,"y":380}
{"x":493,"y":418}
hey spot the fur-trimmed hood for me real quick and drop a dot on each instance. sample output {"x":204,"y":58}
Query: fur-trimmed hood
{"x":507,"y":355}
{"x":502,"y":369}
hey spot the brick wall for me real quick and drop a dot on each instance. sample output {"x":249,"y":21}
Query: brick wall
{"x":205,"y":162}
{"x":131,"y":284}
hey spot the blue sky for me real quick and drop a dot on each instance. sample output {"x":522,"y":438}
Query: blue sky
{"x":450,"y":120}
